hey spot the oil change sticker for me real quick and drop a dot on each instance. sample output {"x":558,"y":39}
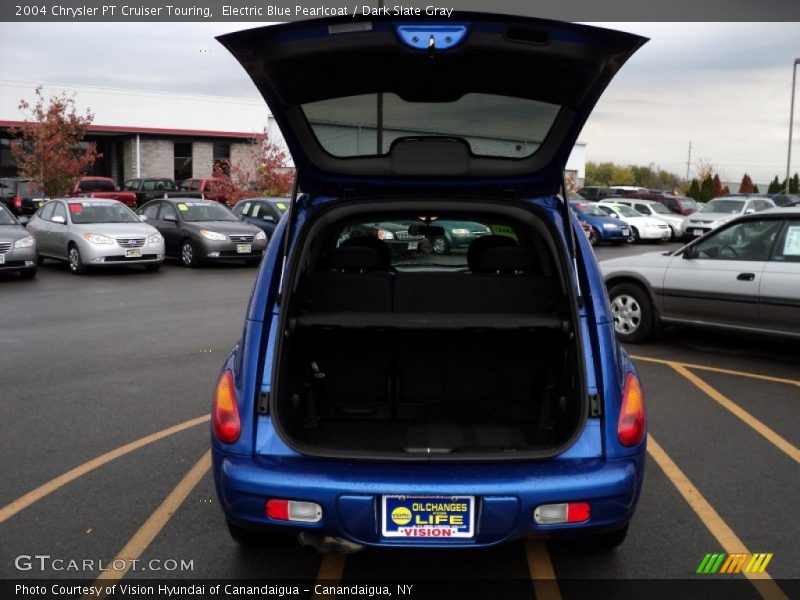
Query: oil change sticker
{"x":791,"y":247}
{"x":428,"y":516}
{"x":182,"y":207}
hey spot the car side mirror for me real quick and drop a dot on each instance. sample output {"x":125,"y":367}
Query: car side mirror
{"x":689,"y":253}
{"x":59,"y":219}
{"x":268,"y":218}
{"x":24,"y":221}
{"x":750,"y":211}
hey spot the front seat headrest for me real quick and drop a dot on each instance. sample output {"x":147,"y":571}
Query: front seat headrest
{"x":512,"y":260}
{"x":354,"y":259}
{"x":482,"y":244}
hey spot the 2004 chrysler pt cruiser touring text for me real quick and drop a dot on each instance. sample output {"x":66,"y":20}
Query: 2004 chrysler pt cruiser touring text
{"x":386,"y":400}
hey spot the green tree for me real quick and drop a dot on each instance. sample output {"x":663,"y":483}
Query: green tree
{"x":694,"y":190}
{"x":794,"y":185}
{"x":755,"y":188}
{"x":774,"y":186}
{"x":707,"y":189}
{"x":622,"y":175}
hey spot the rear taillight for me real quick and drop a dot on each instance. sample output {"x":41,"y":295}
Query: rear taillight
{"x":18,"y":202}
{"x":631,"y":425}
{"x":225,"y":416}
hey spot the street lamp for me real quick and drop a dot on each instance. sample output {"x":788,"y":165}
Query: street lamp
{"x":791,"y":124}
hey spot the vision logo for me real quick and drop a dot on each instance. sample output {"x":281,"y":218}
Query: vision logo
{"x":734,"y":563}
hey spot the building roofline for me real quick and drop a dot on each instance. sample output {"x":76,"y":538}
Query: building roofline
{"x":133,"y":129}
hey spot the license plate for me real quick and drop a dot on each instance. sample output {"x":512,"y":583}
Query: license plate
{"x":133,"y":253}
{"x":412,"y":245}
{"x":2,"y":259}
{"x":429,"y":517}
{"x":697,"y":232}
{"x":624,"y":232}
{"x":243,"y":248}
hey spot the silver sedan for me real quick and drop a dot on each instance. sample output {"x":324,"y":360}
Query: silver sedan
{"x":17,"y":246}
{"x":89,"y":232}
{"x":743,"y":276}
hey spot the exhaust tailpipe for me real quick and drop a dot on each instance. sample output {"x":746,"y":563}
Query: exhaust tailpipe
{"x":316,"y":543}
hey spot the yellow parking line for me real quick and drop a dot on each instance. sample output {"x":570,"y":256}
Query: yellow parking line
{"x":729,"y":541}
{"x":40,"y":492}
{"x":783,"y":445}
{"x":330,"y":573}
{"x":543,"y":576}
{"x":662,"y":361}
{"x":155,"y":523}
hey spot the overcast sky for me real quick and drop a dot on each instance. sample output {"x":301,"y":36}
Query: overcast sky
{"x":725,"y":87}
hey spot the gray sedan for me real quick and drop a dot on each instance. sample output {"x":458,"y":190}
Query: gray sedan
{"x":93,"y":232}
{"x":743,"y":276}
{"x":17,"y":246}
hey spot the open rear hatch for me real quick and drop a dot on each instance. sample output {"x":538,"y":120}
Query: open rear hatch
{"x":475,"y":99}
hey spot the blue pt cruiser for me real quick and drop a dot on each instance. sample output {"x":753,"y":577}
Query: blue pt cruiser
{"x":426,"y":400}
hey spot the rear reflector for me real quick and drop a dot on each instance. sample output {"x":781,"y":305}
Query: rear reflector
{"x":18,"y":202}
{"x":567,"y":512}
{"x":293,"y":510}
{"x":631,"y":425}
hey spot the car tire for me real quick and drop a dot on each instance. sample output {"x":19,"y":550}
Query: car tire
{"x":252,"y":262}
{"x":152,"y":268}
{"x":633,"y":313}
{"x":27,"y":273}
{"x":634,"y":236}
{"x":594,"y":237}
{"x":603,"y":541}
{"x":440,"y":245}
{"x":246,"y":537}
{"x":39,"y":259}
{"x":189,"y":254}
{"x":75,"y":261}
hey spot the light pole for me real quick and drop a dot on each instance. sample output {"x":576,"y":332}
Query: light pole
{"x":791,"y":124}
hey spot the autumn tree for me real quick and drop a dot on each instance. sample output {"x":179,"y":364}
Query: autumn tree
{"x":746,"y":187}
{"x":717,"y":184}
{"x":260,"y":170}
{"x":47,"y":148}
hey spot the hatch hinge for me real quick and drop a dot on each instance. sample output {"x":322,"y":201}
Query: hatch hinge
{"x":595,"y":405}
{"x":263,"y":403}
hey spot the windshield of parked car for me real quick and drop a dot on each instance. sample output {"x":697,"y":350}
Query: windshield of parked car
{"x":591,"y":210}
{"x":659,"y":208}
{"x":5,"y":217}
{"x":627,"y":211}
{"x":82,"y":213}
{"x":492,"y":125}
{"x":159,"y":184}
{"x":723,"y":206}
{"x":430,"y":242}
{"x":97,"y":185}
{"x":688,"y":203}
{"x":205,"y":211}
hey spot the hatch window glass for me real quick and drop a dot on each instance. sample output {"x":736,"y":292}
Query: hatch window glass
{"x":492,"y":125}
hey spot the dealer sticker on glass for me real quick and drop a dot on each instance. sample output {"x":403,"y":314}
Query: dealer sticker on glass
{"x":428,"y":516}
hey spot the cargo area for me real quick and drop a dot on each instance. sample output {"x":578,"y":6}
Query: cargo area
{"x":391,"y":355}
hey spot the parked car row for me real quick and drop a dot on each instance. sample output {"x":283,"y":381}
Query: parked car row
{"x":88,"y":232}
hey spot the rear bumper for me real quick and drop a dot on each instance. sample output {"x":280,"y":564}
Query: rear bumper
{"x":506,"y":494}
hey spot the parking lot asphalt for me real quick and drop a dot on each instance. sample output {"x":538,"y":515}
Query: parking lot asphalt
{"x":106,"y":385}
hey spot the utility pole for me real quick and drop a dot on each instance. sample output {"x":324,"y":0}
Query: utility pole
{"x":791,"y":124}
{"x":688,"y":160}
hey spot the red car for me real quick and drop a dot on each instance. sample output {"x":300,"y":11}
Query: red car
{"x":204,"y":186}
{"x":101,"y":187}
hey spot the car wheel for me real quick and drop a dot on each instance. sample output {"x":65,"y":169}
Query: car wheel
{"x":252,"y":262}
{"x":189,"y":254}
{"x":634,"y":236}
{"x":440,"y":246}
{"x":152,"y":268}
{"x":28,"y":273}
{"x":246,"y":537}
{"x":632,"y":311}
{"x":593,"y":236}
{"x":603,"y":541}
{"x":39,"y":259}
{"x":75,"y":261}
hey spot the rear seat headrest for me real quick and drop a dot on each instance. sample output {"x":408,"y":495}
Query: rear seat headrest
{"x":513,"y":260}
{"x":381,"y":247}
{"x":484,"y":243}
{"x":354,"y":258}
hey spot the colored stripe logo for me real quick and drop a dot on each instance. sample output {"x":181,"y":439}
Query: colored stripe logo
{"x":720,"y":562}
